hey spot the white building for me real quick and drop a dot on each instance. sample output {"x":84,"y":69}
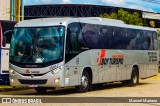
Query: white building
{"x":5,"y":10}
{"x":151,"y":15}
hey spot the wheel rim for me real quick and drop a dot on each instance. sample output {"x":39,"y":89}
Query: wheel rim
{"x":135,"y":79}
{"x":84,"y":81}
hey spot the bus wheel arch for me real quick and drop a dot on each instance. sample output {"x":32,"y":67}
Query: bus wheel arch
{"x":89,"y":70}
{"x":86,"y":77}
{"x":134,"y":76}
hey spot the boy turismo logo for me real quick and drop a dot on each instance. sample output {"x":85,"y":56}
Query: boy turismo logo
{"x":102,"y":55}
{"x":114,"y":60}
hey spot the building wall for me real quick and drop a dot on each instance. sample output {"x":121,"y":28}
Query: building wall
{"x":151,"y":15}
{"x":4,"y":9}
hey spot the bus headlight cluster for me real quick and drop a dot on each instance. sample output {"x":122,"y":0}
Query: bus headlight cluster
{"x":11,"y":71}
{"x":57,"y":70}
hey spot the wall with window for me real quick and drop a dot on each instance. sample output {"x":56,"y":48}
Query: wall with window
{"x":5,"y":10}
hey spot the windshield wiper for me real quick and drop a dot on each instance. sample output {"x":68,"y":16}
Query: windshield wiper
{"x":38,"y":51}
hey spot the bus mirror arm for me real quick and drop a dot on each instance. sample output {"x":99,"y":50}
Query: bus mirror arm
{"x":6,"y":33}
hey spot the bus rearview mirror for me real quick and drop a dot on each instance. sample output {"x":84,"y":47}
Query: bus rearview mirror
{"x":4,"y":41}
{"x":6,"y":33}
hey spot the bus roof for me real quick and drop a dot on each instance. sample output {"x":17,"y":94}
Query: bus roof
{"x":41,"y":22}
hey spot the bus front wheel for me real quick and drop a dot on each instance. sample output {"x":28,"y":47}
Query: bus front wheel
{"x":134,"y":78}
{"x":85,"y":83}
{"x":41,"y":90}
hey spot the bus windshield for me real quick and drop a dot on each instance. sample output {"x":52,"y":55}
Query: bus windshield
{"x":37,"y":45}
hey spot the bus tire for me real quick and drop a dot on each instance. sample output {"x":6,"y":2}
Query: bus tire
{"x":85,"y":83}
{"x":41,"y":90}
{"x":134,"y":78}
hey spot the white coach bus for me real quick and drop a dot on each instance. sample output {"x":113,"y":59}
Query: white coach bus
{"x":80,"y":52}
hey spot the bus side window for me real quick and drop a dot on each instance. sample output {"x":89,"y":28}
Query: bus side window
{"x":155,"y":40}
{"x":74,"y":41}
{"x":139,"y":40}
{"x":131,"y":39}
{"x":103,"y":37}
{"x":150,"y":40}
{"x":72,"y":44}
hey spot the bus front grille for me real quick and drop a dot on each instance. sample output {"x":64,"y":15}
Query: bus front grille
{"x":44,"y":81}
{"x":33,"y":74}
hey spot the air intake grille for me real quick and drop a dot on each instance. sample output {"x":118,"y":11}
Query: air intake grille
{"x":33,"y":74}
{"x":33,"y":81}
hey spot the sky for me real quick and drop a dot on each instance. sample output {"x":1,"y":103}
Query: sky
{"x":134,"y":4}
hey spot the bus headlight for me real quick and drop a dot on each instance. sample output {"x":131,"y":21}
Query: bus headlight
{"x":11,"y":71}
{"x":57,"y":70}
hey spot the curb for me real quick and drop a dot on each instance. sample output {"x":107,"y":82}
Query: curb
{"x":14,"y":89}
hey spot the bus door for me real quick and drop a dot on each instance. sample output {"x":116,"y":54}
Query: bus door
{"x":72,"y":50}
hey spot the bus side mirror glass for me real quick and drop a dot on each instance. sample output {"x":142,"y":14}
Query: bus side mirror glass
{"x":4,"y":41}
{"x":6,"y":33}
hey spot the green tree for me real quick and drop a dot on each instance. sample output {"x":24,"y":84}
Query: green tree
{"x":112,"y":15}
{"x":158,"y":31}
{"x":145,"y":23}
{"x":152,"y":23}
{"x":126,"y":17}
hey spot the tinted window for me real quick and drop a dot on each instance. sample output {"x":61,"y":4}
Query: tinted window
{"x":74,"y":42}
{"x":131,"y":39}
{"x":74,"y":38}
{"x":109,"y":37}
{"x":91,"y":35}
{"x":139,"y":40}
{"x":149,"y":40}
{"x":155,"y":40}
{"x":120,"y":37}
{"x":98,"y":36}
{"x":105,"y":37}
{"x":145,"y":40}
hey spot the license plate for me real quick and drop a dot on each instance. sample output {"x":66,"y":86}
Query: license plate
{"x":33,"y":85}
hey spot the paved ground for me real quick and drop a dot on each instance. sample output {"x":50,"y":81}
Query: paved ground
{"x":147,"y":88}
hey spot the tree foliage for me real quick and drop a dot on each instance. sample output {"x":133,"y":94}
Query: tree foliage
{"x":126,"y":17}
{"x":158,"y":31}
{"x":152,"y":24}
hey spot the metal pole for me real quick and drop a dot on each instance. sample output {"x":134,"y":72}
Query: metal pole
{"x":12,"y":10}
{"x":17,"y":10}
{"x":22,"y":9}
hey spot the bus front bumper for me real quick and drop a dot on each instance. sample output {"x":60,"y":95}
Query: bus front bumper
{"x":46,"y":80}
